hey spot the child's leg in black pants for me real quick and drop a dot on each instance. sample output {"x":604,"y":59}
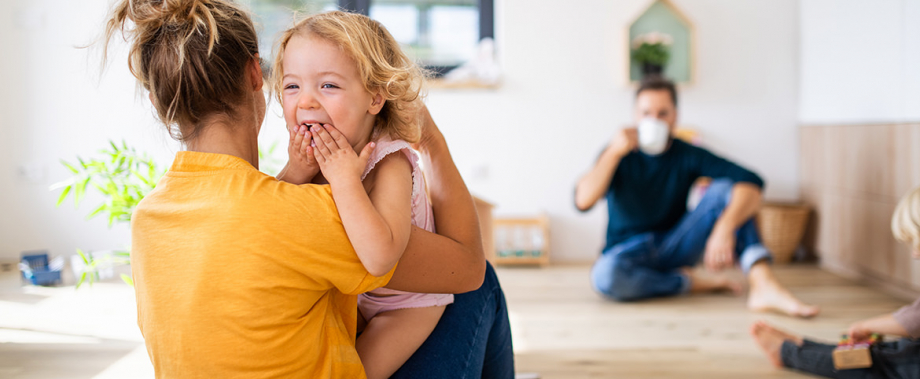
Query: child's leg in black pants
{"x":899,"y":359}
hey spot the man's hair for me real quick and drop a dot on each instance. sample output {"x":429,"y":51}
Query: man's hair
{"x":658,"y":83}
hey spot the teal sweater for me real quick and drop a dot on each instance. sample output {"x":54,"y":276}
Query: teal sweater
{"x":649,"y":193}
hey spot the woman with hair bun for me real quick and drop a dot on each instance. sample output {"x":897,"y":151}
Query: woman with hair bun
{"x":228,"y":283}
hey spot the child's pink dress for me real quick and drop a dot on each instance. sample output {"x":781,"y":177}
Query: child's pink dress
{"x":383,"y":299}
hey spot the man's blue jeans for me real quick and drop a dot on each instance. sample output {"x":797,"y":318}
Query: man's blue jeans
{"x":648,"y":265}
{"x":472,"y":340}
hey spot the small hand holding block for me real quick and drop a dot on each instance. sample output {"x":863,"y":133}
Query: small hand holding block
{"x":848,"y":355}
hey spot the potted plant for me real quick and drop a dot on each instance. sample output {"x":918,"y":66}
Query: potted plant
{"x":123,"y":177}
{"x":651,"y":52}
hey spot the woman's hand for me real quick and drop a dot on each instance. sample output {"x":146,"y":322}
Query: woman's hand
{"x":337,"y":159}
{"x":431,"y":136}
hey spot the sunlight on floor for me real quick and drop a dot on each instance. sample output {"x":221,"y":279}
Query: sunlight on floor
{"x":63,"y":332}
{"x":563,"y":330}
{"x":32,"y":337}
{"x":560,"y":328}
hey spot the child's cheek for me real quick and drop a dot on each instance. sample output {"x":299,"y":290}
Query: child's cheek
{"x":289,"y":119}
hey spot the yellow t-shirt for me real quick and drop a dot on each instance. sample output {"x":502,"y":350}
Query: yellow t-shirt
{"x":239,"y":275}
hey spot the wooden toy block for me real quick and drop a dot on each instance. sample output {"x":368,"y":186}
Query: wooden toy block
{"x":848,"y":355}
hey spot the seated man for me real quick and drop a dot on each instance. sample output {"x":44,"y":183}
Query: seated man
{"x":652,"y":241}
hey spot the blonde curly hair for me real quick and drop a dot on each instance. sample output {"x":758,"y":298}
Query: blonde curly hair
{"x":381,"y":63}
{"x":905,"y":224}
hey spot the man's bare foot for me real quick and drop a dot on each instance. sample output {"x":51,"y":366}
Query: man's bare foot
{"x":770,"y":340}
{"x":701,"y":282}
{"x":771,"y":297}
{"x":767,"y":295}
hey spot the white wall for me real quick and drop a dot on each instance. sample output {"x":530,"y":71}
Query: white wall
{"x":56,"y":108}
{"x":522,"y":146}
{"x":56,"y":105}
{"x":860,"y":61}
{"x":9,"y":41}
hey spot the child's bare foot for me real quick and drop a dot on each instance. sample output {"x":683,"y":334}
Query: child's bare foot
{"x":767,"y":295}
{"x":700,"y":282}
{"x":770,"y":340}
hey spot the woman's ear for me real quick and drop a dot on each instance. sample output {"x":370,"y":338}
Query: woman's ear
{"x":255,"y":73}
{"x":377,"y":102}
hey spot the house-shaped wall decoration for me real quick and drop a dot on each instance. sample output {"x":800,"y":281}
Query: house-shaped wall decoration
{"x":663,"y":17}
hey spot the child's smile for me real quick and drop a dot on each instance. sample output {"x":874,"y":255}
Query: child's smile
{"x":321,"y":85}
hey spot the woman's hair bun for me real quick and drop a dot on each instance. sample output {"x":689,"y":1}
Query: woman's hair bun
{"x":190,"y":55}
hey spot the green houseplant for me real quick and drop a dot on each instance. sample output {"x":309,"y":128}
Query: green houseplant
{"x":123,"y":177}
{"x":652,"y":52}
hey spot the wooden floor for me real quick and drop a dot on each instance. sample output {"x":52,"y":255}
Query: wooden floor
{"x":561,"y":329}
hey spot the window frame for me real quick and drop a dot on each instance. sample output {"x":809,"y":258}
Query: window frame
{"x":486,"y":24}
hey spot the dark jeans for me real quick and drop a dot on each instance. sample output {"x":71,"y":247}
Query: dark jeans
{"x":648,"y":265}
{"x":472,"y":340}
{"x":895,"y":360}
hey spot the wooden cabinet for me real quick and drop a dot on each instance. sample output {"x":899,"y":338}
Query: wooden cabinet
{"x":521,"y":241}
{"x":853,"y":176}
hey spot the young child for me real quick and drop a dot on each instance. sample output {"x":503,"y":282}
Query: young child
{"x":346,"y":87}
{"x":899,"y":359}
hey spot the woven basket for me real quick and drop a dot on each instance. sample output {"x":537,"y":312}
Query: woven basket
{"x":781,"y":228}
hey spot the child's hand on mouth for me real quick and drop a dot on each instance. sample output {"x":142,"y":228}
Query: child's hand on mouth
{"x":337,"y":159}
{"x":302,"y":165}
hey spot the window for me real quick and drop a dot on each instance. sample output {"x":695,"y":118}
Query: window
{"x":439,"y":34}
{"x":275,"y":16}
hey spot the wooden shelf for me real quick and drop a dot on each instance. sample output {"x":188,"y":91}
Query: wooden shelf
{"x":513,"y":235}
{"x":470,"y":84}
{"x":523,"y":261}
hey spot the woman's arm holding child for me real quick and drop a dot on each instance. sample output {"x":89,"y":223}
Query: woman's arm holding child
{"x":451,"y":261}
{"x":301,"y":166}
{"x":377,"y":223}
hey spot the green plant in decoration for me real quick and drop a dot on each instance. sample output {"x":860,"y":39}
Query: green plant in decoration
{"x":91,"y":266}
{"x":269,"y":162}
{"x":123,"y":177}
{"x":652,"y":52}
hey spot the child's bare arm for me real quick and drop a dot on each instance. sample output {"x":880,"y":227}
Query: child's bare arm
{"x":391,"y":196}
{"x":377,"y":223}
{"x":885,"y":324}
{"x":301,"y":166}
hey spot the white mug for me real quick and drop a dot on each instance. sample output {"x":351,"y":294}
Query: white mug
{"x":653,"y":136}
